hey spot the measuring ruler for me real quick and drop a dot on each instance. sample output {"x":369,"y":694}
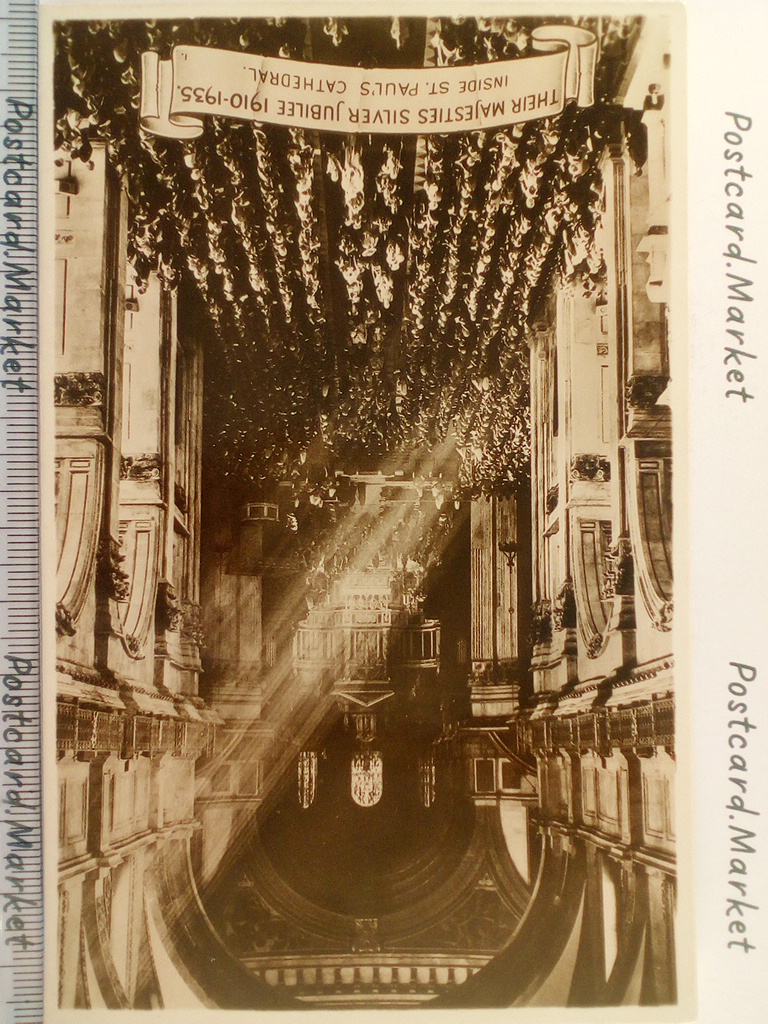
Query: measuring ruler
{"x":21,"y":847}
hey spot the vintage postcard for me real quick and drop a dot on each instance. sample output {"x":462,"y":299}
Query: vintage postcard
{"x":366,"y":344}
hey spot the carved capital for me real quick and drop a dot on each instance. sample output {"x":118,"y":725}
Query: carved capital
{"x":619,"y":570}
{"x":590,"y":467}
{"x":643,"y":389}
{"x":169,"y":611}
{"x":541,"y":622}
{"x":132,"y":645}
{"x":564,"y":611}
{"x":79,"y":389}
{"x":662,"y":620}
{"x":112,"y":580}
{"x":594,"y":645}
{"x":192,"y":625}
{"x":141,"y":467}
{"x":64,"y":624}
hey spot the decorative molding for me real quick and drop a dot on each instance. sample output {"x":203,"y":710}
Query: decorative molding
{"x":64,"y":907}
{"x":592,"y":542}
{"x":564,"y":611}
{"x":488,"y":675}
{"x":64,"y":624}
{"x":141,"y":467}
{"x":590,"y":467}
{"x":646,"y":672}
{"x":132,"y":645}
{"x":139,"y":539}
{"x":619,"y":570}
{"x":169,"y":612}
{"x":157,"y":694}
{"x":641,"y":726}
{"x":79,"y":389}
{"x":541,"y":622}
{"x":650,"y":509}
{"x":594,"y":645}
{"x":662,"y":620}
{"x":539,"y":336}
{"x":79,"y":496}
{"x":85,"y":674}
{"x":111,"y":578}
{"x":644,"y":389}
{"x":192,"y":624}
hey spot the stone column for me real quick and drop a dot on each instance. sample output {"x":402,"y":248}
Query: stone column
{"x":660,"y":974}
{"x":90,"y":248}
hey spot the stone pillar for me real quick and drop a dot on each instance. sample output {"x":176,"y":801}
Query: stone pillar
{"x":660,"y":980}
{"x":484,"y":636}
{"x":90,"y":248}
{"x":70,"y":924}
{"x":495,"y":585}
{"x":178,"y":633}
{"x":143,"y":469}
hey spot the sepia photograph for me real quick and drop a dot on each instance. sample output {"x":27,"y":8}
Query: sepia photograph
{"x":362,"y":349}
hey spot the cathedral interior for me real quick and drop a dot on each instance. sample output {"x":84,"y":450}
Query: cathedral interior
{"x":364,"y":608}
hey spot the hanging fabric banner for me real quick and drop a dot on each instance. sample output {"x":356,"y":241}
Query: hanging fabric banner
{"x":200,"y":80}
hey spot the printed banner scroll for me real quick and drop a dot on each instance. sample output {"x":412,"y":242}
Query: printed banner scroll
{"x":200,"y":80}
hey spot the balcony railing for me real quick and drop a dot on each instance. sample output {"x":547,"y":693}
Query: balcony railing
{"x":84,"y":730}
{"x":81,"y":729}
{"x":645,"y":725}
{"x":374,"y":645}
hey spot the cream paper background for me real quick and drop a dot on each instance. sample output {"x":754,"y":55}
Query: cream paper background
{"x":720,"y":501}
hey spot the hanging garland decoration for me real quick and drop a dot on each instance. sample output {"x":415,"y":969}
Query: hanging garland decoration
{"x":367,"y":293}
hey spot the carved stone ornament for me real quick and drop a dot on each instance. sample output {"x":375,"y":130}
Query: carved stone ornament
{"x":141,"y":467}
{"x":132,"y":645}
{"x":170,"y":615}
{"x":590,"y":467}
{"x":594,"y":645}
{"x":64,"y":624}
{"x":79,"y":389}
{"x":488,"y":673}
{"x":619,"y":570}
{"x":538,"y":336}
{"x":662,"y":620}
{"x":192,"y":626}
{"x":482,"y":674}
{"x":564,"y":611}
{"x":180,"y":497}
{"x":643,"y":390}
{"x":112,"y":580}
{"x":366,"y":938}
{"x":553,"y":495}
{"x":541,"y":622}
